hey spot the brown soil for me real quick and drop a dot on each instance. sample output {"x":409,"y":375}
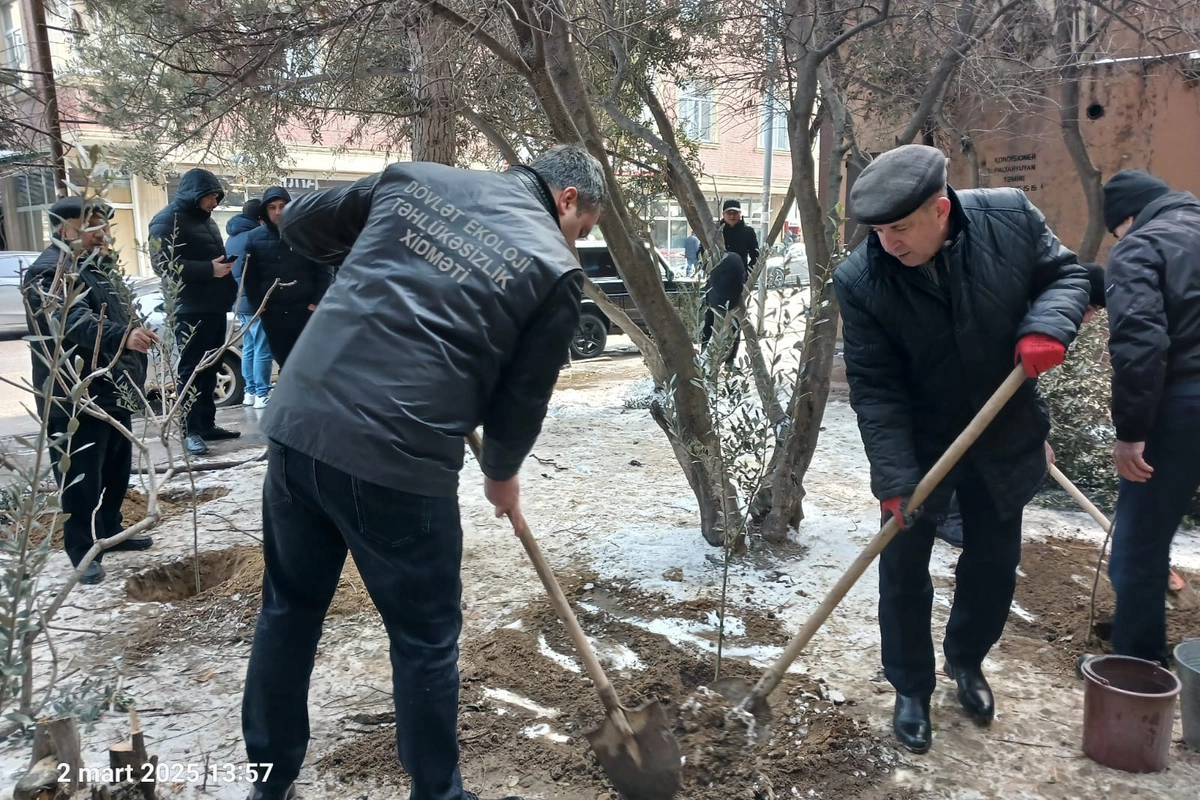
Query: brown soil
{"x":228,"y":603}
{"x":814,"y":743}
{"x":171,"y":502}
{"x":1056,"y":590}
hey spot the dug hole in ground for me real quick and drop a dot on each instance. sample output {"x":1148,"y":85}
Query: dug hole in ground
{"x":605,"y":496}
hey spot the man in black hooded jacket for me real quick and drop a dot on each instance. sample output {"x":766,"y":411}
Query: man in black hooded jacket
{"x":737,"y":236}
{"x":302,"y":282}
{"x":1153,"y":294}
{"x":188,"y":243}
{"x":74,"y":296}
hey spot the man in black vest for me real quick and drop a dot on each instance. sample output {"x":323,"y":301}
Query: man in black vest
{"x":456,"y":300}
{"x":947,"y":292}
{"x":75,"y":294}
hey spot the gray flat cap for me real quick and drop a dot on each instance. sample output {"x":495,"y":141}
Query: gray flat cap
{"x":896,"y":183}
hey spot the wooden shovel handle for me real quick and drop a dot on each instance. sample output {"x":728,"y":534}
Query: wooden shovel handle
{"x":608,"y":695}
{"x":771,"y":678}
{"x":1081,"y":499}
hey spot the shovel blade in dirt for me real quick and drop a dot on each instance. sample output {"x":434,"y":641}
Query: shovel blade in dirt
{"x":645,"y":767}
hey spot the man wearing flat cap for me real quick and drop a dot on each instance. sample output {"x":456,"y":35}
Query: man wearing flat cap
{"x":1153,"y":291}
{"x":949,"y":289}
{"x":71,"y":294}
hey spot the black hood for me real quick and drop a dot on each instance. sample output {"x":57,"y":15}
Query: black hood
{"x":194,"y":184}
{"x":1168,"y":202}
{"x":272,"y":194}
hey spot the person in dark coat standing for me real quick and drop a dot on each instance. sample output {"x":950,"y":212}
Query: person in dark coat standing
{"x":722,"y":296}
{"x":302,"y":282}
{"x":738,"y":237}
{"x":455,"y":306}
{"x":93,"y":318}
{"x":187,"y":243}
{"x":949,"y":289}
{"x":257,"y":363}
{"x":1153,"y":292}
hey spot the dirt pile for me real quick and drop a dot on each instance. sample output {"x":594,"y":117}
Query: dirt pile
{"x":525,"y":704}
{"x":1056,"y":590}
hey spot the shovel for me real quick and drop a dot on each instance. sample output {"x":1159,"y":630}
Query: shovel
{"x":1184,"y":596}
{"x":753,"y":700}
{"x":635,"y":747}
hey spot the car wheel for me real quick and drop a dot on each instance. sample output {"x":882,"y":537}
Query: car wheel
{"x":590,"y":337}
{"x":776,"y":278}
{"x":230,"y":385}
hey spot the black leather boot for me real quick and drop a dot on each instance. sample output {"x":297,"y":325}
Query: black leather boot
{"x":973,"y":691}
{"x":910,"y":723}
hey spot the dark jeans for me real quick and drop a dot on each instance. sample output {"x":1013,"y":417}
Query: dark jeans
{"x":985,"y":580}
{"x":202,"y":333}
{"x":710,"y":317}
{"x":1148,"y":515}
{"x":408,"y":549}
{"x":98,"y":479}
{"x":283,"y":329}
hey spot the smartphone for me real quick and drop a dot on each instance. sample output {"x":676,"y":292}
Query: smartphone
{"x":228,"y":259}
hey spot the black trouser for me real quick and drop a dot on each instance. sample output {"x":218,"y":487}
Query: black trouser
{"x":408,"y":549}
{"x":736,"y":331}
{"x":283,"y":328}
{"x":985,"y":580}
{"x":95,"y":483}
{"x":200,"y":334}
{"x":1148,"y":514}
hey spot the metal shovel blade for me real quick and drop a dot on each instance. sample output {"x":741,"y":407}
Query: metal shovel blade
{"x":736,"y":691}
{"x":646,"y":766}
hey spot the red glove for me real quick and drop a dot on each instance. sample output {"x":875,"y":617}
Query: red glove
{"x":896,"y":507}
{"x":1040,"y":353}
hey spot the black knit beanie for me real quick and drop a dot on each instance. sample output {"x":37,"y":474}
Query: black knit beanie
{"x":1127,"y":193}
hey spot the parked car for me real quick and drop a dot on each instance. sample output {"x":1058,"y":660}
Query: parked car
{"x":12,"y":303}
{"x":788,"y":267}
{"x":230,"y":385}
{"x":594,"y":326}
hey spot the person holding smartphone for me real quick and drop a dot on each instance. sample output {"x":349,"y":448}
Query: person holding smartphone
{"x":187,"y":244}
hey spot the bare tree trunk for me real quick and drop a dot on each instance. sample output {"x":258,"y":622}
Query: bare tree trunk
{"x":1089,"y":175}
{"x":433,"y":128}
{"x":34,"y":12}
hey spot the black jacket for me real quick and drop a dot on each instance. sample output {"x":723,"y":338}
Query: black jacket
{"x":1153,"y":295}
{"x":268,"y":258}
{"x":726,"y":282}
{"x":923,"y":358}
{"x":184,"y":234}
{"x":741,"y":239}
{"x":82,"y":327}
{"x":454,"y":306}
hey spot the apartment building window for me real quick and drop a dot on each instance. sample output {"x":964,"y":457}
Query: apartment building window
{"x":16,"y":54}
{"x":696,"y":112}
{"x":35,"y":195}
{"x":779,"y":131}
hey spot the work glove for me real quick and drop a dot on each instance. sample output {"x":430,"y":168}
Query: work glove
{"x":1040,"y":353}
{"x":897,"y":507}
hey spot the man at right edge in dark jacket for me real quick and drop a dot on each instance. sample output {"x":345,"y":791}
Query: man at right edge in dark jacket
{"x":455,"y":304}
{"x":1153,"y":293}
{"x":949,"y":290}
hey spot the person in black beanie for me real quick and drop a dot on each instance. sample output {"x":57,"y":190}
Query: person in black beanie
{"x":1153,"y":285}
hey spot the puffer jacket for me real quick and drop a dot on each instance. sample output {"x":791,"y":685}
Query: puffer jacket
{"x":923,"y":358}
{"x":187,"y":235}
{"x":725,"y":284}
{"x":454,"y":307}
{"x":238,"y":228}
{"x":1153,"y":294}
{"x":269,"y":258}
{"x":83,"y":324}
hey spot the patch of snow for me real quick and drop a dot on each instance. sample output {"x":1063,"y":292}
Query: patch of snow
{"x":564,"y":661}
{"x":1020,"y":612}
{"x":513,"y":699}
{"x":617,"y":655}
{"x":733,"y":625}
{"x":544,"y":731}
